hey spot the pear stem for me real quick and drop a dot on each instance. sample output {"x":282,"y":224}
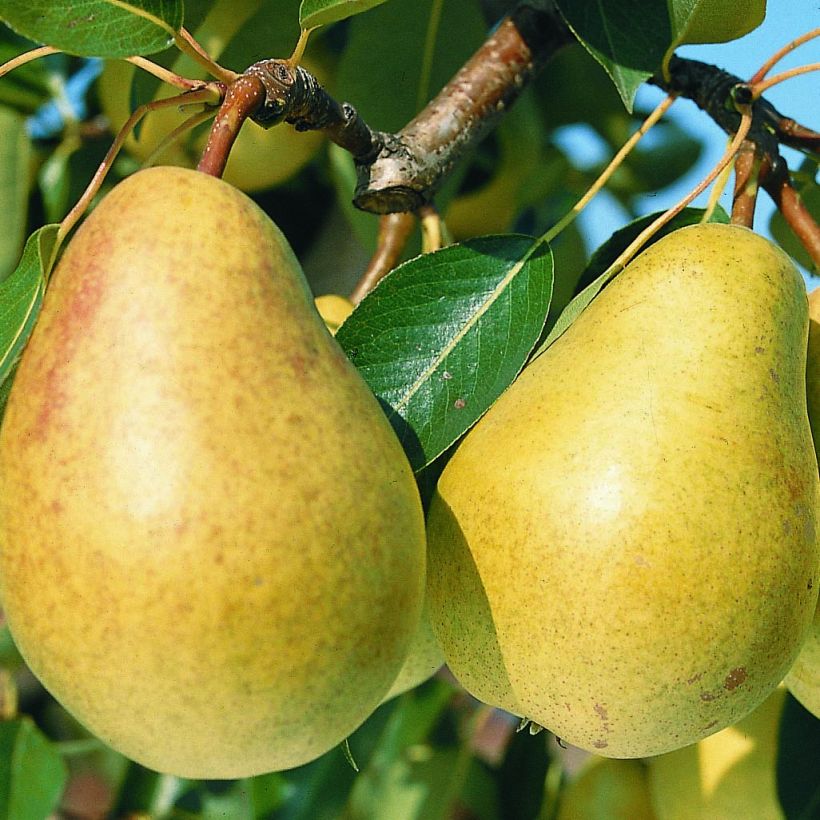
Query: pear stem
{"x":432,"y":233}
{"x":764,"y":85}
{"x":779,"y":187}
{"x":208,"y":95}
{"x":243,"y":98}
{"x":394,"y":231}
{"x":781,"y":53}
{"x":747,"y":170}
{"x":191,"y":122}
{"x":635,"y":246}
{"x":27,"y":57}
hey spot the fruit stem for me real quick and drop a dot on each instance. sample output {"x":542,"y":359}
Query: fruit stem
{"x":781,"y":53}
{"x":717,"y":191}
{"x":778,"y":186}
{"x":610,"y":169}
{"x":27,"y":57}
{"x":185,"y":42}
{"x":244,"y":96}
{"x":432,"y":235}
{"x":747,"y":169}
{"x":164,"y":74}
{"x":394,"y":231}
{"x":191,"y":122}
{"x":640,"y":240}
{"x":759,"y":87}
{"x":208,"y":95}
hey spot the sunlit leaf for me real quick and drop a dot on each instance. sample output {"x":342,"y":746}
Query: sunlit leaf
{"x":446,"y":333}
{"x":96,"y":28}
{"x":314,"y":13}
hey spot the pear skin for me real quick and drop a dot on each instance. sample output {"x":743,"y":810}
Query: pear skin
{"x":803,"y":679}
{"x":608,"y":789}
{"x":729,"y":775}
{"x":624,"y":549}
{"x":333,"y":309}
{"x":424,"y":659}
{"x":211,"y":542}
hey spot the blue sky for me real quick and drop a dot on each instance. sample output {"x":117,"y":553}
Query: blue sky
{"x":799,"y":98}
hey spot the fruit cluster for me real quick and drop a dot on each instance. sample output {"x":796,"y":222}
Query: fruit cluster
{"x":213,"y":547}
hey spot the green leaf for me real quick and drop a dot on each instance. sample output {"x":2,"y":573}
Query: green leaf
{"x":712,"y":21}
{"x":597,"y":275}
{"x":97,"y":28}
{"x":32,"y":773}
{"x":406,"y":777}
{"x":145,"y":791}
{"x":628,"y":38}
{"x":400,"y":55}
{"x":21,"y":296}
{"x":313,"y":13}
{"x":15,"y":159}
{"x":444,"y":334}
{"x":522,"y":775}
{"x":798,"y":762}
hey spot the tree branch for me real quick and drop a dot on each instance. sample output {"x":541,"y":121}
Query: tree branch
{"x":709,"y":88}
{"x":413,"y":163}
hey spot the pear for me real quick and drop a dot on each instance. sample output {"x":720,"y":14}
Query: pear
{"x":729,"y":775}
{"x":424,"y":659}
{"x":211,"y":542}
{"x":608,"y":790}
{"x":803,"y":679}
{"x":624,"y":549}
{"x":333,"y":309}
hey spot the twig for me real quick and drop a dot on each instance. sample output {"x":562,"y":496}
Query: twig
{"x":243,"y":97}
{"x":635,"y":246}
{"x":764,"y":85}
{"x":710,"y":88}
{"x":165,"y":75}
{"x":781,"y":53}
{"x":610,"y":169}
{"x":295,"y":96}
{"x":394,"y":231}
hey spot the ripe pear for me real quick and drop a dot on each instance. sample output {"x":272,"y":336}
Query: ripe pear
{"x":608,"y":790}
{"x":211,"y":542}
{"x":624,"y":549}
{"x":333,"y":309}
{"x":424,"y":659}
{"x":803,"y":679}
{"x":729,"y":775}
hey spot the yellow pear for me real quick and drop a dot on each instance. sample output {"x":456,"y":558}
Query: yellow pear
{"x":727,"y":776}
{"x":333,"y":309}
{"x":803,"y":679}
{"x":211,"y":542}
{"x":608,"y":790}
{"x":624,"y":549}
{"x":424,"y":659}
